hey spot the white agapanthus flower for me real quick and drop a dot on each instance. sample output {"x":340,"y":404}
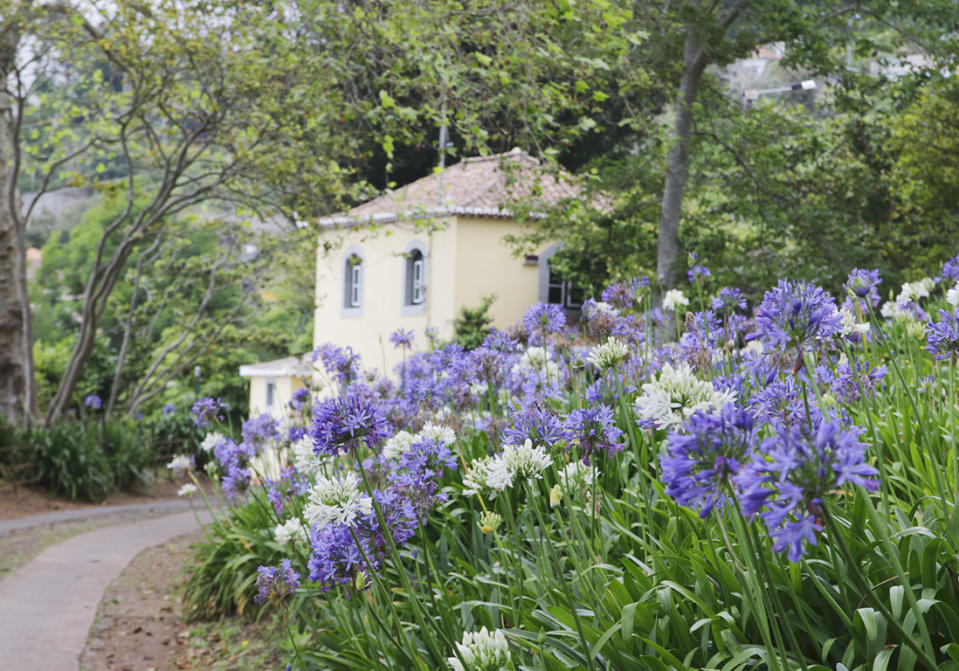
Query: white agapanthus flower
{"x":676,"y":394}
{"x":305,"y":458}
{"x":537,"y":359}
{"x":189,"y":489}
{"x":337,"y":500}
{"x":895,"y":310}
{"x":754,"y":347}
{"x":608,"y":355}
{"x":475,"y":480}
{"x":180,"y":464}
{"x":489,"y":475}
{"x":401,"y":441}
{"x":439,"y":433}
{"x":605,"y":308}
{"x":397,"y":444}
{"x":482,"y":651}
{"x":526,"y":461}
{"x":291,"y":530}
{"x":916,"y":290}
{"x":673,"y":299}
{"x":576,"y":475}
{"x":852,"y":325}
{"x":211,"y":440}
{"x":952,"y":296}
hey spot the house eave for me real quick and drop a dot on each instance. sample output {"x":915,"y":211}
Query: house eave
{"x":439,"y":213}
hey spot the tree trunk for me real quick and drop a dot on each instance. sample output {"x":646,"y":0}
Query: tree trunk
{"x":14,"y":366}
{"x":669,"y":247}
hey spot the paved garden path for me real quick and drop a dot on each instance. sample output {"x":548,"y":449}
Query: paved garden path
{"x":47,"y":606}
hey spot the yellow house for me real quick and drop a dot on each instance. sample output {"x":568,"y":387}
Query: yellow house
{"x":413,"y":258}
{"x":273,"y":383}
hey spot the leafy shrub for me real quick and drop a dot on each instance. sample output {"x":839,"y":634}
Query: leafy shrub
{"x":471,"y":326}
{"x":68,"y":459}
{"x":128,"y":452}
{"x":223,"y":569}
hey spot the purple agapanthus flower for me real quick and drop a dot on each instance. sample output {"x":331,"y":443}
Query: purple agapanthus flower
{"x":342,"y":363}
{"x":337,"y":559}
{"x":299,"y":399}
{"x":950,"y":268}
{"x":729,"y":301}
{"x":169,"y":409}
{"x":342,"y":424}
{"x":793,"y":471}
{"x":862,"y":284}
{"x":402,"y":338}
{"x":93,"y":401}
{"x":259,"y":430}
{"x":544,"y":318}
{"x":594,"y":431}
{"x":698,"y":273}
{"x":795,"y":313}
{"x":942,"y":337}
{"x":700,"y":461}
{"x":207,"y":409}
{"x":276,"y":584}
{"x":539,"y":424}
{"x":619,"y":294}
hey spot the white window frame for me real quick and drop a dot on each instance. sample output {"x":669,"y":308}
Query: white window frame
{"x":415,"y":284}
{"x":353,"y":276}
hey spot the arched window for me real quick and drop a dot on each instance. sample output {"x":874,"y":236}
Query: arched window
{"x":353,"y":281}
{"x":415,"y":278}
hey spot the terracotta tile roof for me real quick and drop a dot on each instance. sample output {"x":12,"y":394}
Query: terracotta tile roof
{"x":482,"y":186}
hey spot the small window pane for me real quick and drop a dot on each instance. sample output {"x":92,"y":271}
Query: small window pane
{"x":418,"y":288}
{"x":355,"y":286}
{"x":270,"y":394}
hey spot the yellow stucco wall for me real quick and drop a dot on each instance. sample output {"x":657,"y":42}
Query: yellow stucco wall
{"x":467,"y":260}
{"x":384,"y":270}
{"x":286,"y":386}
{"x":486,"y":265}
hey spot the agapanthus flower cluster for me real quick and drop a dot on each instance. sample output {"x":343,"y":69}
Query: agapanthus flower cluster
{"x":289,"y":485}
{"x":342,"y":424}
{"x":792,"y":472}
{"x":181,"y":464}
{"x":942,"y":337}
{"x":341,"y":363}
{"x":93,"y":401}
{"x":276,"y":584}
{"x":700,"y":461}
{"x":337,"y":500}
{"x":608,"y":355}
{"x":543,"y":319}
{"x":352,"y":554}
{"x":794,"y":314}
{"x":536,"y":422}
{"x":728,"y":301}
{"x":674,"y":298}
{"x":482,"y":651}
{"x":860,"y":287}
{"x":294,"y":530}
{"x":593,"y":431}
{"x":402,"y":338}
{"x":490,"y":475}
{"x":676,"y":394}
{"x":207,"y":410}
